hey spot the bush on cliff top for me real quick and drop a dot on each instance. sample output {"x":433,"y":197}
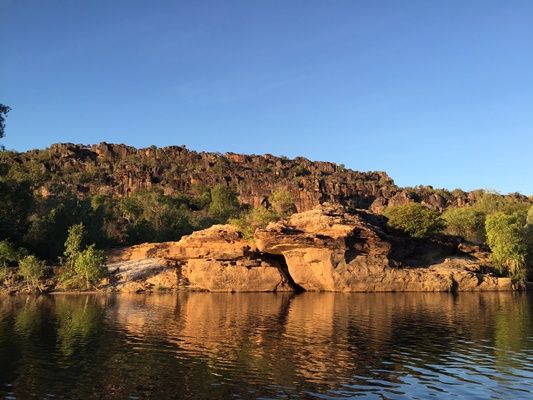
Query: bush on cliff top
{"x":415,"y":219}
{"x":255,"y":218}
{"x":466,"y":222}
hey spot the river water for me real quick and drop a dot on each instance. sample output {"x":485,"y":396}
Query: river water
{"x":310,"y":346}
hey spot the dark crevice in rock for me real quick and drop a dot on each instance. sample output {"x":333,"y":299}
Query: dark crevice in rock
{"x":281,"y":264}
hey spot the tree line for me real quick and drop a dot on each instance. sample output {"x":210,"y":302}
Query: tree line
{"x":504,"y":224}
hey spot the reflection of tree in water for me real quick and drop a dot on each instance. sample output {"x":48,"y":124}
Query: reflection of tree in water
{"x":29,"y":317}
{"x":512,"y":328}
{"x":78,"y":320}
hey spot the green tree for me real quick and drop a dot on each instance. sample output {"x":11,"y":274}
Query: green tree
{"x":282,"y":203}
{"x":89,"y":264}
{"x":52,"y":217}
{"x":4,"y":110}
{"x":529,"y":218}
{"x":466,"y":222}
{"x":32,"y":270}
{"x":16,"y":203}
{"x":224,"y":204}
{"x":152,"y":216}
{"x":81,"y":266}
{"x":506,"y":237}
{"x":415,"y":219}
{"x":489,"y":203}
{"x":9,"y":258}
{"x":255,"y":218}
{"x":73,"y":245}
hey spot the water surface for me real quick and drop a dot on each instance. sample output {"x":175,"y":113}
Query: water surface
{"x":313,"y":345}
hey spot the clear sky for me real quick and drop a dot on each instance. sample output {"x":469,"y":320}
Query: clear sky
{"x":433,"y":92}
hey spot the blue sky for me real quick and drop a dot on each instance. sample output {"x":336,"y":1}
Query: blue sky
{"x":433,"y":92}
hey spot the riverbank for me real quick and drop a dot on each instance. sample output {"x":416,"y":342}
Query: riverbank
{"x":325,"y":249}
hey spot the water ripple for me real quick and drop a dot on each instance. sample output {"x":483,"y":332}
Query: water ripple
{"x":267,"y":346}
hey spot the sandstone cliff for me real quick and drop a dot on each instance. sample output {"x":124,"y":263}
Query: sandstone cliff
{"x":120,"y":170}
{"x":324,"y":249}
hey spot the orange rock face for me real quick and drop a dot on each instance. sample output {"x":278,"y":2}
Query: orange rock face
{"x":215,"y":259}
{"x":328,"y":249}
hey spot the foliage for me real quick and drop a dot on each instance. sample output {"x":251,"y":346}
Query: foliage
{"x":52,"y":217}
{"x":73,"y":246}
{"x":506,"y":237}
{"x":4,"y":110}
{"x":81,"y":264}
{"x":415,"y":219}
{"x":152,"y":216}
{"x":466,"y":222}
{"x":282,"y":203}
{"x":224,"y":204}
{"x":16,"y":202}
{"x":255,"y":218}
{"x":489,"y":203}
{"x":32,"y":270}
{"x":9,"y":258}
{"x":89,"y":264}
{"x":529,"y":217}
{"x":9,"y":255}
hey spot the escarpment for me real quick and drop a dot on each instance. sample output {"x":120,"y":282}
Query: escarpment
{"x":120,"y":170}
{"x":324,"y":249}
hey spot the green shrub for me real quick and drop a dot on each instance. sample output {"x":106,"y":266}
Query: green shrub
{"x":224,"y":204}
{"x":255,"y":218}
{"x":32,"y":270}
{"x":282,"y":203}
{"x":465,"y":222}
{"x":89,"y":265}
{"x":80,"y":266}
{"x":415,"y":219}
{"x":9,"y":257}
{"x":506,"y":237}
{"x":489,"y":203}
{"x":529,"y":218}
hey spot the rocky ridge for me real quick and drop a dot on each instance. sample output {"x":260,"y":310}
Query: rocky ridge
{"x":119,"y":170}
{"x":324,"y":249}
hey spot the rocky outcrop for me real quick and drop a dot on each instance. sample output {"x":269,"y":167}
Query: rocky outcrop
{"x":324,"y":249}
{"x":215,"y":259}
{"x":329,"y":249}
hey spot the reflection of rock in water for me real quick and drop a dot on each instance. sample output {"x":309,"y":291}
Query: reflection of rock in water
{"x":160,"y":345}
{"x":318,"y":337}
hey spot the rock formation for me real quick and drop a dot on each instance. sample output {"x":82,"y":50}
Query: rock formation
{"x":215,"y":259}
{"x":324,"y":249}
{"x":119,"y":170}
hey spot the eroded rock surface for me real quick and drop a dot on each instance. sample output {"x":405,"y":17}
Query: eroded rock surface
{"x":215,"y":259}
{"x":324,"y":249}
{"x":332,"y":250}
